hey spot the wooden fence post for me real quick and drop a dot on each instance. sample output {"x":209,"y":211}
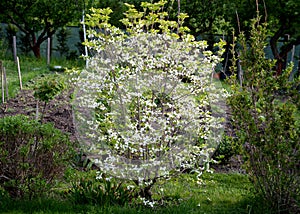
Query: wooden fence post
{"x":5,"y":83}
{"x":15,"y":48}
{"x":2,"y":82}
{"x":48,"y":50}
{"x":19,"y":72}
{"x":84,"y":38}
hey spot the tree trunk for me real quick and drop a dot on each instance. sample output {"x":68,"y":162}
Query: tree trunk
{"x":36,"y":50}
{"x":281,"y":55}
{"x":277,"y":55}
{"x":279,"y":66}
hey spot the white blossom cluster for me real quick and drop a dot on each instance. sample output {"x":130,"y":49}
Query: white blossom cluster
{"x":147,"y":106}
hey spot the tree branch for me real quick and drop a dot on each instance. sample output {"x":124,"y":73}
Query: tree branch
{"x":274,"y":40}
{"x":288,"y":47}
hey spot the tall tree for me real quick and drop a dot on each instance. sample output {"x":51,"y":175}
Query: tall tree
{"x":203,"y":15}
{"x":39,"y":19}
{"x":283,"y":17}
{"x":206,"y":17}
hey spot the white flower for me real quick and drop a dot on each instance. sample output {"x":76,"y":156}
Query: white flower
{"x":133,"y":101}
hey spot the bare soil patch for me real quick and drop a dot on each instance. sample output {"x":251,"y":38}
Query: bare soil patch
{"x":59,"y":112}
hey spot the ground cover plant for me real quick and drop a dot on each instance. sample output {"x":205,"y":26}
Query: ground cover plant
{"x":32,"y":155}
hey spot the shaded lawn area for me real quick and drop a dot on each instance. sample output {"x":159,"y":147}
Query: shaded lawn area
{"x":215,"y":193}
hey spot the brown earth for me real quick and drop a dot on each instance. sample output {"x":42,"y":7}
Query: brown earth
{"x":59,"y":112}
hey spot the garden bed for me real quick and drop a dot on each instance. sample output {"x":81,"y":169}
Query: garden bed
{"x":59,"y":112}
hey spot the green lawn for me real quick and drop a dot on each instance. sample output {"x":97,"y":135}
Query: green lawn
{"x":31,"y":68}
{"x":216,"y":193}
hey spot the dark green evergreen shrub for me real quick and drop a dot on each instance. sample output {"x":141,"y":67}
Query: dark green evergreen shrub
{"x":25,"y":43}
{"x":32,"y":156}
{"x":11,"y":31}
{"x":47,"y":88}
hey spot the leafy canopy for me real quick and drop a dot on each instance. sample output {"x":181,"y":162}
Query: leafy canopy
{"x":39,"y":19}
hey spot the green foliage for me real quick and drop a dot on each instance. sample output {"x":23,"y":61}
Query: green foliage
{"x":49,"y":87}
{"x":62,"y":38}
{"x":283,"y":23}
{"x":264,"y":111}
{"x":3,"y":48}
{"x":32,"y":155}
{"x":39,"y":20}
{"x":102,"y":191}
{"x":3,"y":196}
{"x":117,"y":6}
{"x":206,"y":16}
{"x":226,"y":149}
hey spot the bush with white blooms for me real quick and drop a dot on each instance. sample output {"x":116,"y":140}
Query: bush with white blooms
{"x":146,"y":106}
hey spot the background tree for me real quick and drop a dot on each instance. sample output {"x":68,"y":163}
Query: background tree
{"x":284,"y":17}
{"x":118,"y":8}
{"x":283,"y":23}
{"x":204,"y":16}
{"x":62,"y":38}
{"x":220,"y":17}
{"x":39,"y":19}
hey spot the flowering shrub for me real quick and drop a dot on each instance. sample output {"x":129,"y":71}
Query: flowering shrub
{"x":146,"y":107}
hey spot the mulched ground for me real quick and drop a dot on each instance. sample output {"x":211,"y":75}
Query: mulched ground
{"x":59,"y":112}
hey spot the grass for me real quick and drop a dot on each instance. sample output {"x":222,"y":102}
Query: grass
{"x":31,"y":68}
{"x":216,"y":194}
